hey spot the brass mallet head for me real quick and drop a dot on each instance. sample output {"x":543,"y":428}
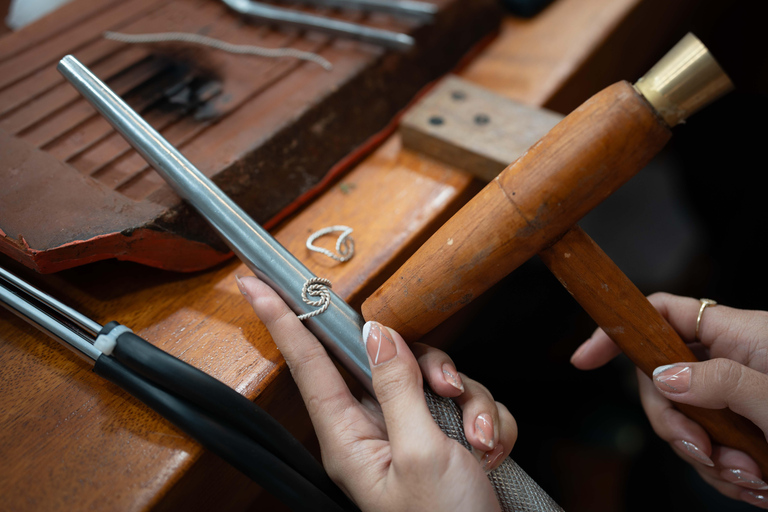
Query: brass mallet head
{"x":685,"y":80}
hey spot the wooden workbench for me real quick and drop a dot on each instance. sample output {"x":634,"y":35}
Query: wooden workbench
{"x":68,"y":440}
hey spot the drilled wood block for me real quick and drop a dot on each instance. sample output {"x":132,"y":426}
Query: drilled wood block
{"x":266,"y":130}
{"x":472,"y":128}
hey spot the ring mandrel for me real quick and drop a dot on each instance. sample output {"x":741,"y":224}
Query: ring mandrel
{"x":339,"y":328}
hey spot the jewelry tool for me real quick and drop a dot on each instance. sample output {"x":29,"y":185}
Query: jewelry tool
{"x":219,"y":418}
{"x":299,"y":19}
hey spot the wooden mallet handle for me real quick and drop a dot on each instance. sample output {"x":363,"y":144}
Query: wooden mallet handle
{"x":632,"y":322}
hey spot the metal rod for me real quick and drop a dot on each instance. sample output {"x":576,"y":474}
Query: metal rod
{"x":339,"y":327}
{"x":75,"y":316}
{"x":46,"y":323}
{"x":382,"y":37}
{"x":419,"y":10}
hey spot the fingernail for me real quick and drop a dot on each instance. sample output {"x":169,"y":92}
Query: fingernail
{"x":241,"y":287}
{"x":484,"y":429}
{"x":694,"y":452}
{"x":492,"y":458}
{"x":379,"y":343}
{"x":579,"y":351}
{"x":452,"y":377}
{"x":673,"y":378}
{"x":743,"y":478}
{"x":754,"y":498}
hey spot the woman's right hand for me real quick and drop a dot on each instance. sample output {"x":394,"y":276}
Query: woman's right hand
{"x":390,"y":455}
{"x":733,"y":347}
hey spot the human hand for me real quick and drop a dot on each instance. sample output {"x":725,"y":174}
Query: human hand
{"x":733,"y":347}
{"x":391,"y":455}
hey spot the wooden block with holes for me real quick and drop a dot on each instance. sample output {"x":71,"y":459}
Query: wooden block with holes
{"x":472,"y":128}
{"x":266,"y":130}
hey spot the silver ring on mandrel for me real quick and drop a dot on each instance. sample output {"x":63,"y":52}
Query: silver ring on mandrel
{"x":704,"y":304}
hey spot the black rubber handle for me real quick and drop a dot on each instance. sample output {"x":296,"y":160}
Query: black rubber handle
{"x":234,"y":447}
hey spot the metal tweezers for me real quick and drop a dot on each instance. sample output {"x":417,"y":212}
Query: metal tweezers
{"x":219,"y":418}
{"x":387,"y":38}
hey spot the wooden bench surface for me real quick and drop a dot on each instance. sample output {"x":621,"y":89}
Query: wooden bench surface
{"x":70,"y":441}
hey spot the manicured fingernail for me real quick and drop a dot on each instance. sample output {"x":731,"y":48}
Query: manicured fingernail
{"x":694,"y":452}
{"x":379,"y":343}
{"x":492,"y":458}
{"x":452,"y":377}
{"x":241,"y":287}
{"x":755,"y":498}
{"x":673,"y":378}
{"x":484,"y":429}
{"x":743,"y":478}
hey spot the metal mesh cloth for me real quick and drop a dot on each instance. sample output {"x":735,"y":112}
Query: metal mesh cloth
{"x":516,"y":491}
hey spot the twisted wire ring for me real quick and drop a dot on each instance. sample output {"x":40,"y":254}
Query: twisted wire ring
{"x":316,"y":287}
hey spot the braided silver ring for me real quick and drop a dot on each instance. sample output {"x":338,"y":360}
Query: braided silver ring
{"x":316,"y":287}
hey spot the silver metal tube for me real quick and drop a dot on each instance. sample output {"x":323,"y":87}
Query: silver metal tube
{"x":338,"y":328}
{"x":406,"y":8}
{"x":378,"y":36}
{"x":46,"y":323}
{"x":75,"y":316}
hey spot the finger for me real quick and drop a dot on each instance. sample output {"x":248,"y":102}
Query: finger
{"x":486,"y":425}
{"x":716,"y":384}
{"x":757,"y":498}
{"x":728,"y":332}
{"x":399,"y":389}
{"x":439,"y":370}
{"x":323,"y":389}
{"x":738,"y":468}
{"x":595,"y":352}
{"x":686,"y":436}
{"x":507,"y":439}
{"x":724,"y":488}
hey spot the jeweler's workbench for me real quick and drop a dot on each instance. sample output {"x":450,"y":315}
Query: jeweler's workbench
{"x":71,"y":441}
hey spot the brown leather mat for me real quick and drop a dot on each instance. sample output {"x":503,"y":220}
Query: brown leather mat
{"x":72,"y":191}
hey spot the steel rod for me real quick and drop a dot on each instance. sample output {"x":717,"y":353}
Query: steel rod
{"x":75,"y":316}
{"x":299,"y":19}
{"x":54,"y":327}
{"x":418,"y":10}
{"x":339,"y":327}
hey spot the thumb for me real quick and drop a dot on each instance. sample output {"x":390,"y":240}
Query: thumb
{"x":399,"y":389}
{"x":716,"y":384}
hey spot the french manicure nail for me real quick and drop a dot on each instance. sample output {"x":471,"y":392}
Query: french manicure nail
{"x":492,"y":458}
{"x":743,"y":478}
{"x":379,"y":343}
{"x":241,"y":287}
{"x":755,"y":498}
{"x":694,"y":452}
{"x":484,"y":429}
{"x":673,"y":378}
{"x":452,"y":377}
